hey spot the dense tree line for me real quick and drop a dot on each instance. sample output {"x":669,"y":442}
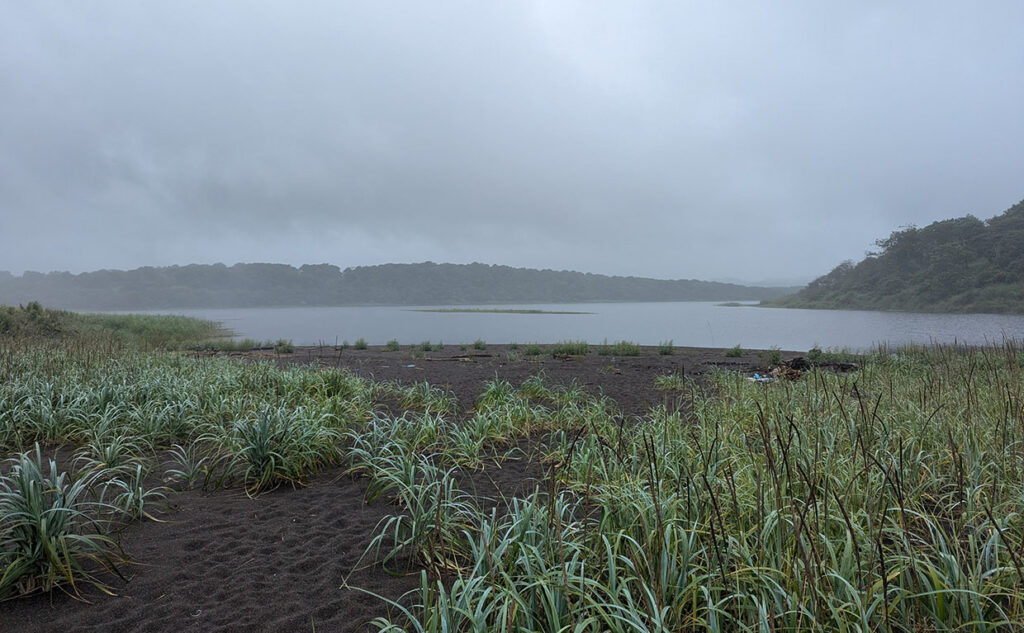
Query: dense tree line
{"x":264,"y":285}
{"x":959,"y":265}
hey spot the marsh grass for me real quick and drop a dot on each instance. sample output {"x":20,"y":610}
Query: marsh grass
{"x":735,"y":352}
{"x":569,"y":348}
{"x":35,"y":323}
{"x":428,"y":398}
{"x":533,"y":388}
{"x":150,"y":331}
{"x":770,"y":357}
{"x":189,"y":465}
{"x":884,"y":499}
{"x":280,"y":346}
{"x":533,"y":349}
{"x":282,"y":445}
{"x":229,"y":345}
{"x":51,"y":531}
{"x":620,"y":348}
{"x":118,"y":408}
{"x":888,"y":498}
{"x":670,"y":382}
{"x":133,"y":496}
{"x":223,"y":422}
{"x":283,"y":346}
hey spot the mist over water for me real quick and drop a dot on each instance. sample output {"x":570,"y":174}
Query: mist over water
{"x":695,"y":324}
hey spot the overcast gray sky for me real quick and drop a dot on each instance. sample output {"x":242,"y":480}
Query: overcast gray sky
{"x":703,"y":140}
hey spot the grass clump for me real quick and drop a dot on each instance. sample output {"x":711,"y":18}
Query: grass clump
{"x":360,"y":343}
{"x":479,"y":344}
{"x":52,"y":533}
{"x":771,"y":357}
{"x":533,"y":349}
{"x":735,"y":352}
{"x":621,"y":348}
{"x":392,"y":346}
{"x":665,"y":348}
{"x":670,"y":382}
{"x":570,"y":348}
{"x":281,"y":445}
{"x":534,"y":387}
{"x":283,"y":346}
{"x":423,"y":396}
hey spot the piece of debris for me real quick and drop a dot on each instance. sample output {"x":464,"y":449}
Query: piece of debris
{"x":802,"y":364}
{"x":782,"y":372}
{"x":799,"y":363}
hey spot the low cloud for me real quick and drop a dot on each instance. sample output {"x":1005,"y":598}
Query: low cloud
{"x":699,"y":140}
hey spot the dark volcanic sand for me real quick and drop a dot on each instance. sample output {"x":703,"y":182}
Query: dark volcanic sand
{"x":224,"y":562}
{"x":628,"y":380}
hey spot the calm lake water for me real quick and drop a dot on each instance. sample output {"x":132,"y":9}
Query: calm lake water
{"x":685,"y":323}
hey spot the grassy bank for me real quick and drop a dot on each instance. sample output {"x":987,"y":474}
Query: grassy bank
{"x":34,"y":323}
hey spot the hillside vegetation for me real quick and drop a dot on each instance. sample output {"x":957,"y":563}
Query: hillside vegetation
{"x":959,"y":265}
{"x":262,"y":285}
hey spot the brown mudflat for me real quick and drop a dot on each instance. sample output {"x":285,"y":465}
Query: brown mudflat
{"x":221,"y":561}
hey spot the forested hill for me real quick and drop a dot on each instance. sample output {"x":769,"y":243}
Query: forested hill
{"x":959,"y":265}
{"x":264,"y":285}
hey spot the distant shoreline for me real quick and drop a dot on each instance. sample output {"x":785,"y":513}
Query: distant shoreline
{"x":496,"y":311}
{"x":426,"y":284}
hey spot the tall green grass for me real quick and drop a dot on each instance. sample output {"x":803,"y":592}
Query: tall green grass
{"x":567,"y":348}
{"x":222,"y":423}
{"x":35,"y":323}
{"x":53,"y":532}
{"x":885,"y":499}
{"x":620,"y":348}
{"x":152,"y":331}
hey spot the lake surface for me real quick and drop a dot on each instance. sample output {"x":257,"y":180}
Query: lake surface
{"x":695,"y":324}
